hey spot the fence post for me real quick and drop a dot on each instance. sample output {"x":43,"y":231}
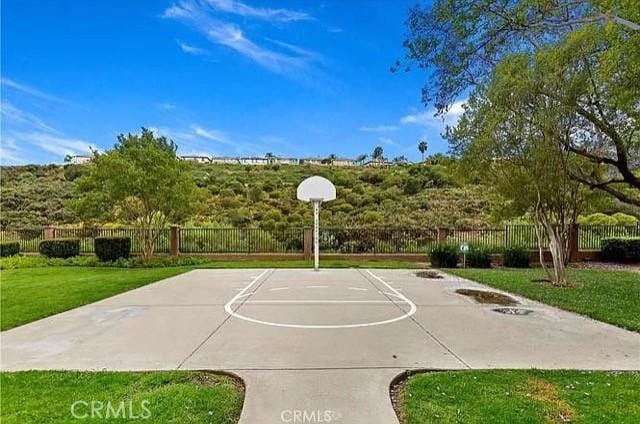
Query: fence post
{"x":574,"y":245}
{"x":49,"y":232}
{"x":442,"y":235}
{"x":175,"y":240}
{"x":307,"y":243}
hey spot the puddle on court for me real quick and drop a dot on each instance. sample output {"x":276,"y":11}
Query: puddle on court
{"x":513,"y":311}
{"x":429,"y":273}
{"x":488,"y":297}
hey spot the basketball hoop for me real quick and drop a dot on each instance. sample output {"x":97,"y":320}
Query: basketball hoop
{"x":316,"y":190}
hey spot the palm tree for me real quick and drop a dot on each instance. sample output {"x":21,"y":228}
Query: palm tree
{"x":361,"y":158}
{"x":377,"y":154}
{"x":422,"y":147}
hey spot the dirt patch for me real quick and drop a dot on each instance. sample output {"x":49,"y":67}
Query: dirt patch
{"x":607,"y":265}
{"x":212,"y":379}
{"x":488,"y":297}
{"x":396,"y":392}
{"x":544,"y":391}
{"x":429,"y":273}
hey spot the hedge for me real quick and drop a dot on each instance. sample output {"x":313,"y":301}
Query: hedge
{"x":9,"y":248}
{"x":59,"y":248}
{"x":478,"y":257}
{"x":620,"y":249}
{"x":444,"y":256}
{"x":112,"y":248}
{"x":516,"y":257}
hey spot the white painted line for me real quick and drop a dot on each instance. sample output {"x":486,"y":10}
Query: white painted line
{"x":318,"y":302}
{"x":278,"y":288}
{"x":393,"y":293}
{"x":357,"y":288}
{"x":317,"y":287}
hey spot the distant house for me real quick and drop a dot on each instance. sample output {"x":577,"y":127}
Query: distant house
{"x":284,"y":161}
{"x":78,"y":159}
{"x":255,"y":160}
{"x":378,"y":163}
{"x":224,"y":159}
{"x":199,"y":159}
{"x":328,"y":161}
{"x":311,"y":161}
{"x":344,"y":162}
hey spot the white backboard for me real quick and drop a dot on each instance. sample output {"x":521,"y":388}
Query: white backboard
{"x":316,"y":188}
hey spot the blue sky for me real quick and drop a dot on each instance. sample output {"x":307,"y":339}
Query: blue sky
{"x":221,"y":77}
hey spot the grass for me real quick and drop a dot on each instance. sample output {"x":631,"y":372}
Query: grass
{"x":609,"y":296}
{"x":181,"y":397}
{"x":527,"y":396}
{"x":29,"y":294}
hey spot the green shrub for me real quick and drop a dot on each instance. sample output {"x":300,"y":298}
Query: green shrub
{"x":621,"y":249}
{"x":598,"y":218}
{"x":516,"y":257}
{"x":59,"y":248}
{"x":478,"y":257}
{"x":624,"y":219}
{"x":112,"y":248}
{"x":9,"y":248}
{"x":444,"y":256}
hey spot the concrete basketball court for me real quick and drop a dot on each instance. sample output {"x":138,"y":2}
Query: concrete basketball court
{"x":322,"y":346}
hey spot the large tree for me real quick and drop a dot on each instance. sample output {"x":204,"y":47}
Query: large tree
{"x":582,"y":58}
{"x":141,"y":182}
{"x":514,"y":143}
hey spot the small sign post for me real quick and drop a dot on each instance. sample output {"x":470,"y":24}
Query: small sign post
{"x":316,"y":190}
{"x":464,"y":248}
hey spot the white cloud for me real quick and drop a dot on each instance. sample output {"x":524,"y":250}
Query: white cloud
{"x":166,"y":106}
{"x":428,"y":118}
{"x":196,"y":51}
{"x":292,"y":62}
{"x":29,"y":90}
{"x":24,"y":134}
{"x":211,"y":134}
{"x":15,"y":116}
{"x":58,"y":145}
{"x":10,"y":153}
{"x":388,"y":141}
{"x":379,"y":128}
{"x":272,"y":15}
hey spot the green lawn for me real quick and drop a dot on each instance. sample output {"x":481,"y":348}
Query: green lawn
{"x":527,"y":396}
{"x":180,"y":397}
{"x":29,"y":294}
{"x":610,"y":296}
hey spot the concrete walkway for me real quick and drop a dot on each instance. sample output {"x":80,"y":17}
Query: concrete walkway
{"x":320,"y":347}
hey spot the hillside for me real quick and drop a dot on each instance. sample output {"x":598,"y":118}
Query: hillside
{"x":241,"y":195}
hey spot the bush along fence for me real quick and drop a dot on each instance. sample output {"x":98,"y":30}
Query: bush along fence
{"x":401,"y":242}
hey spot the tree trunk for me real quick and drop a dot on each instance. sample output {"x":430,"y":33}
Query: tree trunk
{"x":558,"y":246}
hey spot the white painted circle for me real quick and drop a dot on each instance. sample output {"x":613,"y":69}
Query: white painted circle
{"x":392,"y":292}
{"x":316,"y":188}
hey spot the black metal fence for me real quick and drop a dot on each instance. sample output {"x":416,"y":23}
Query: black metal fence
{"x":590,"y":236}
{"x":241,"y":240}
{"x":30,"y":238}
{"x":381,"y":240}
{"x":332,"y":240}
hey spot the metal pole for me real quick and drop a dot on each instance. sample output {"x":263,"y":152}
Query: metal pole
{"x":316,"y":234}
